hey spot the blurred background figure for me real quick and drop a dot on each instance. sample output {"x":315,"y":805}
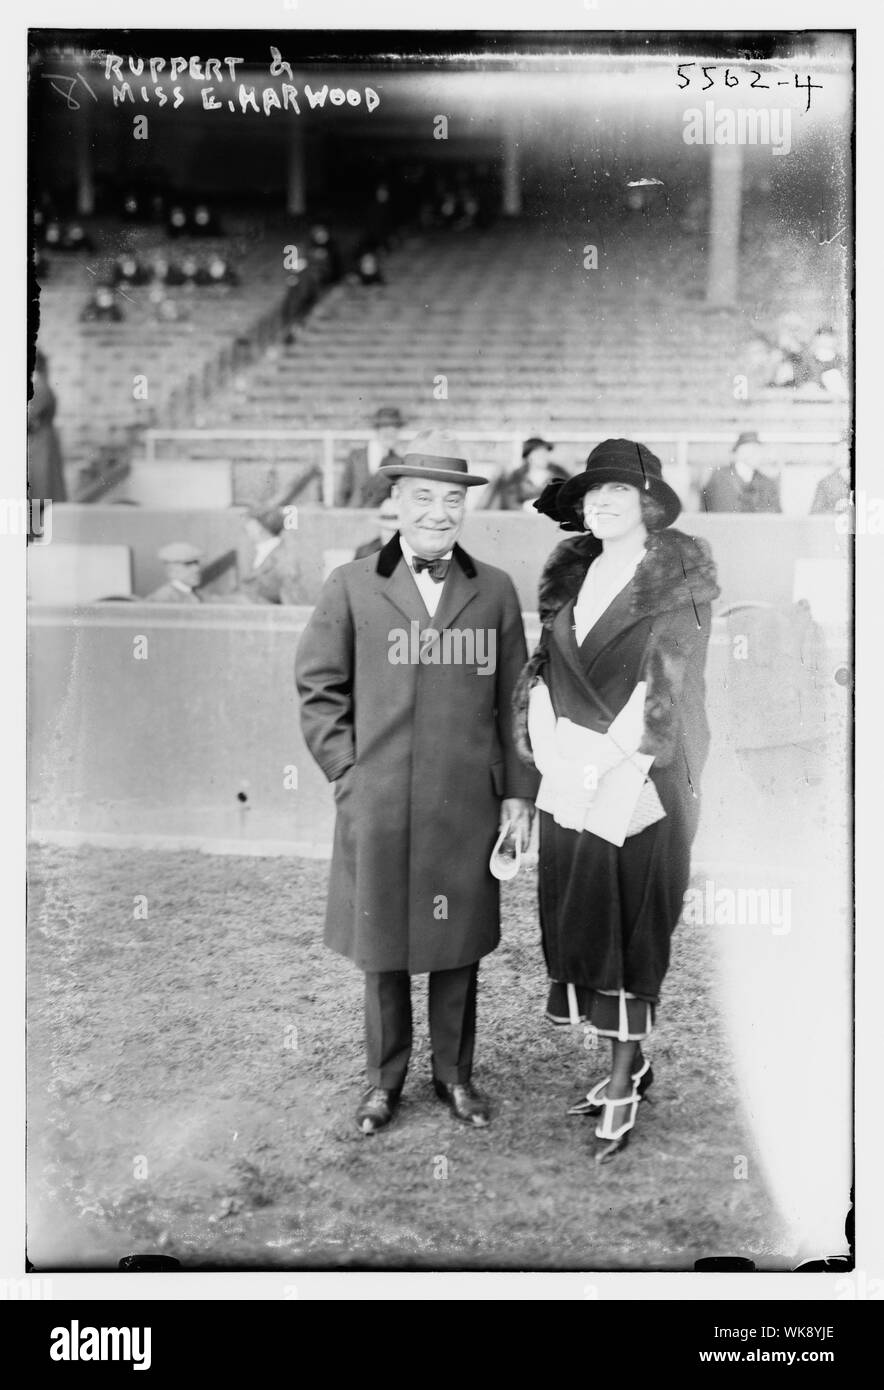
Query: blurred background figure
{"x":204,"y":222}
{"x":165,"y":272}
{"x":388,"y":525}
{"x":102,"y":307}
{"x":275,"y":574}
{"x":517,"y":490}
{"x":128,"y":270}
{"x":828,"y":363}
{"x":793,"y":366}
{"x":220,"y":272}
{"x":368,"y":267}
{"x":45,"y":465}
{"x":362,"y":485}
{"x":833,"y":491}
{"x":324,"y":254}
{"x":75,"y":238}
{"x":747,"y":484}
{"x":183,"y":564}
{"x":176,"y":221}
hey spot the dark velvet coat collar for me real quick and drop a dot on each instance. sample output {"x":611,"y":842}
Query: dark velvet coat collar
{"x":390,"y":555}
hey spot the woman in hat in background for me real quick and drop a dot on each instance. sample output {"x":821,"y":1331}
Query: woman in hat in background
{"x":515,"y":491}
{"x":626,"y":615}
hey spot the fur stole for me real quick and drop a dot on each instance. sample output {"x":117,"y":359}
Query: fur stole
{"x":677,"y":574}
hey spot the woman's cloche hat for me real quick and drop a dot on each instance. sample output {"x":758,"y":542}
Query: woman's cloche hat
{"x":612,"y":461}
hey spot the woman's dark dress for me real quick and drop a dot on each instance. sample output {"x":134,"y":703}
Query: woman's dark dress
{"x":606,"y":913}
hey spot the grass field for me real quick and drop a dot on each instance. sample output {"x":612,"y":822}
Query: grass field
{"x":193,"y":1075}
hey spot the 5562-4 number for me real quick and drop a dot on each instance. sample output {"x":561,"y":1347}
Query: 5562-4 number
{"x":733,"y":77}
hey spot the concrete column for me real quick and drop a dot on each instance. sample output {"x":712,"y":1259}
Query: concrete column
{"x":85,"y":171}
{"x":295,"y":184}
{"x":725,"y":205}
{"x":512,"y":183}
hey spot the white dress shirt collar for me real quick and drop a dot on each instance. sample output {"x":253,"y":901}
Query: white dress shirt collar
{"x":429,"y":589}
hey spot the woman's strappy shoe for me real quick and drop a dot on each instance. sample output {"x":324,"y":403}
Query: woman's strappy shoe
{"x":594,"y":1099}
{"x":616,"y":1139}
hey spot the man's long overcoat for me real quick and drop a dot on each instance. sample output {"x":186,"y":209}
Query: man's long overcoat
{"x":430,"y":751}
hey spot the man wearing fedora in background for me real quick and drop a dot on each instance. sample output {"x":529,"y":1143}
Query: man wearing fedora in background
{"x":421,"y":753}
{"x":745,"y":484}
{"x":363,"y":483}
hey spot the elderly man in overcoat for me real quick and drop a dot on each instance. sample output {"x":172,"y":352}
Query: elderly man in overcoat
{"x":406,"y":671}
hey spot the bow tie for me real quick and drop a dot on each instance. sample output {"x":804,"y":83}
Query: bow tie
{"x":436,"y":569}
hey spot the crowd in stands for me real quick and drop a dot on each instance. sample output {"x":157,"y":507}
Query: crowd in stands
{"x":159,"y":275}
{"x":158,"y":271}
{"x":795,"y":356}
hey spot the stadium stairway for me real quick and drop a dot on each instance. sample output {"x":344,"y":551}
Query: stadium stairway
{"x":93,"y":366}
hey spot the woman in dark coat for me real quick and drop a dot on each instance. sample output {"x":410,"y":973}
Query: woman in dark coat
{"x":626,"y":619}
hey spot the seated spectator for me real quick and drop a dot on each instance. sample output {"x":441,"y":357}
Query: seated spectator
{"x":833,"y":491}
{"x":220,"y":272}
{"x":446,"y":207}
{"x":468,"y":208}
{"x":45,"y":470}
{"x":517,"y":490}
{"x":75,"y":238}
{"x":128,"y":270}
{"x":367,"y":266}
{"x":102,"y":307}
{"x":827,"y":363}
{"x":275,"y":576}
{"x":183,"y":565}
{"x":324,"y":254}
{"x":177,"y":220}
{"x":745,"y":484}
{"x":68,"y":236}
{"x":168,"y":310}
{"x":192,"y":273}
{"x":792,"y":366}
{"x":362,"y":485}
{"x":165,"y":272}
{"x":204,"y":222}
{"x":388,"y":525}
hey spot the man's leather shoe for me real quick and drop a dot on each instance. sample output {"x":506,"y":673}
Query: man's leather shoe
{"x":376,"y":1109}
{"x":463,"y":1102}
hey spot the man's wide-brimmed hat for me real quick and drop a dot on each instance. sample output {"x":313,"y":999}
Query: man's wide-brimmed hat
{"x":613,"y":461}
{"x":388,"y":415}
{"x":747,"y":437}
{"x":436,"y":455}
{"x":179,"y":552}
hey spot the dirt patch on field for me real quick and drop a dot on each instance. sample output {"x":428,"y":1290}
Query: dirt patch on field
{"x":193,"y":1074}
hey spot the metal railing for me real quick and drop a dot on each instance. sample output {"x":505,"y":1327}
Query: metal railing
{"x":681,"y":439}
